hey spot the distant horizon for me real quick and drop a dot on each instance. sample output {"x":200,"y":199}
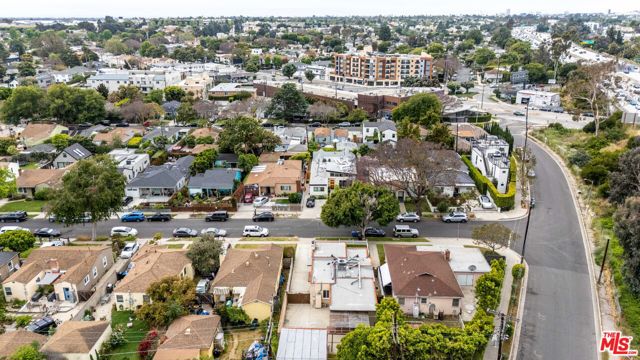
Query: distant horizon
{"x":45,"y":9}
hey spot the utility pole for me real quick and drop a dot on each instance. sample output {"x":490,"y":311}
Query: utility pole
{"x":526,"y":130}
{"x":604,"y":258}
{"x":501,"y":336}
{"x":526,"y":232}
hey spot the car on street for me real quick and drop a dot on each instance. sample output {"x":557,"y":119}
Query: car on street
{"x":344,"y":124}
{"x":455,"y":216}
{"x":184,"y":232}
{"x":4,"y":229}
{"x":255,"y":231}
{"x":16,"y":216}
{"x":221,"y":215}
{"x":264,"y":216}
{"x":369,"y":232}
{"x":42,"y":325}
{"x":159,"y":217}
{"x":485,"y":202}
{"x":214,"y":231}
{"x":129,"y":250}
{"x":311,"y":201}
{"x":83,"y":219}
{"x":405,"y":231}
{"x":52,"y":243}
{"x":315,"y":124}
{"x":47,"y":232}
{"x":260,"y":200}
{"x":408,"y":217}
{"x":518,"y":113}
{"x":134,"y":216}
{"x":203,"y":286}
{"x":531,"y":173}
{"x":123,"y":231}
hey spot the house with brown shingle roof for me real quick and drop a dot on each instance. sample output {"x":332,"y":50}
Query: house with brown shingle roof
{"x":250,"y":278}
{"x":150,"y":264}
{"x":281,"y":177}
{"x":421,"y":280}
{"x":32,"y":180}
{"x":34,"y":134}
{"x":78,"y":340}
{"x":123,"y":133}
{"x":204,"y":132}
{"x":11,"y":341}
{"x":73,"y":272}
{"x":191,"y":337}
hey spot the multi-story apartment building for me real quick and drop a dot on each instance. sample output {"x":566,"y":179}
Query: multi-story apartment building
{"x":145,"y":80}
{"x":376,"y":69}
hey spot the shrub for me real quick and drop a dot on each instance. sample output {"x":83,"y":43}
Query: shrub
{"x":43,"y":194}
{"x":518,"y":271}
{"x":595,"y":173}
{"x":596,"y":143}
{"x":443,"y":206}
{"x":232,"y":315}
{"x":134,"y":142}
{"x":22,"y":320}
{"x":579,"y":158}
{"x":633,"y":142}
{"x":615,"y":134}
{"x":503,"y":201}
{"x":558,"y":127}
{"x":295,"y":198}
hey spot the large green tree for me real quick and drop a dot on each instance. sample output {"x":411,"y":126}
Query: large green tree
{"x":359,"y":205}
{"x":174,"y":93}
{"x":186,"y":113}
{"x":627,"y":229}
{"x":288,"y":70}
{"x":74,"y":105}
{"x":626,"y":181}
{"x":494,"y":236}
{"x":205,"y":255}
{"x":7,"y":183}
{"x":28,"y":352}
{"x":244,"y":135}
{"x":204,"y":161}
{"x":424,"y":109}
{"x":170,"y":298}
{"x":17,"y":240}
{"x":288,"y":103}
{"x":25,"y":102}
{"x":93,"y":186}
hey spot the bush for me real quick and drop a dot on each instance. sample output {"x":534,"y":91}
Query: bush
{"x":633,"y":142}
{"x":134,"y":142}
{"x":44,"y":194}
{"x":295,"y":198}
{"x":502,"y":201}
{"x":23,"y":320}
{"x":595,"y":173}
{"x":579,"y":158}
{"x":596,"y":143}
{"x":232,"y":315}
{"x":558,"y":127}
{"x":443,"y":206}
{"x":518,"y":271}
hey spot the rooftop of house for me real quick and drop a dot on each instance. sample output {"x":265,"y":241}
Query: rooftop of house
{"x":230,"y":87}
{"x":380,"y":125}
{"x":416,"y":272}
{"x":122,"y":133}
{"x":30,"y":178}
{"x":163,"y":176}
{"x":152,"y":263}
{"x":326,"y":162}
{"x":204,"y":132}
{"x":214,"y":179}
{"x":322,"y":131}
{"x":6,"y":256}
{"x":75,"y":337}
{"x":187,"y":335}
{"x":270,"y":174}
{"x":10,"y":341}
{"x":77,"y":151}
{"x":302,"y":344}
{"x":75,"y":261}
{"x":35,"y":132}
{"x":256,"y":270}
{"x":463,"y":259}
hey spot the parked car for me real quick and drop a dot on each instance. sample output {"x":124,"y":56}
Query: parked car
{"x":408,"y":217}
{"x":203,"y":286}
{"x":315,"y":124}
{"x":221,"y":215}
{"x":485,"y":202}
{"x":255,"y":231}
{"x":264,"y":216}
{"x":260,"y":200}
{"x":52,"y":243}
{"x":531,"y":173}
{"x":369,"y":232}
{"x":311,"y":201}
{"x":248,"y":198}
{"x":518,"y":113}
{"x":123,"y":231}
{"x":214,"y":231}
{"x":37,"y":296}
{"x":134,"y":216}
{"x":455,"y":217}
{"x":129,"y":250}
{"x":42,"y":325}
{"x":344,"y":124}
{"x":127,"y":200}
{"x":4,"y":229}
{"x":47,"y":232}
{"x":16,"y":216}
{"x":86,"y":218}
{"x":159,"y":217}
{"x":184,"y":232}
{"x":405,"y":231}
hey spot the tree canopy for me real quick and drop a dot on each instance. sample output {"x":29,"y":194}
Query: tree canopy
{"x":424,"y":109}
{"x":245,"y":135}
{"x":170,"y":298}
{"x":627,"y":228}
{"x":288,"y":103}
{"x":25,"y":102}
{"x":205,"y":255}
{"x":495,"y":236}
{"x":17,"y":240}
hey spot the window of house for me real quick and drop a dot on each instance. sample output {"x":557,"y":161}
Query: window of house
{"x":325,"y":294}
{"x":401,"y":301}
{"x":318,"y":188}
{"x":86,"y":279}
{"x":119,"y":298}
{"x":7,"y":291}
{"x":285,"y":187}
{"x":455,"y":302}
{"x":95,"y":272}
{"x":10,"y":265}
{"x":423,"y":300}
{"x":104,"y":261}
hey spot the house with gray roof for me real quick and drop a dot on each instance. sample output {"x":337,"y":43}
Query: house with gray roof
{"x":159,"y":183}
{"x":70,"y":155}
{"x":173,"y":133}
{"x":214,"y":182}
{"x":9,"y":262}
{"x":379,"y":131}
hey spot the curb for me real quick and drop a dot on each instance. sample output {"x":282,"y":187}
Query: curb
{"x":586,"y":241}
{"x":515,"y":344}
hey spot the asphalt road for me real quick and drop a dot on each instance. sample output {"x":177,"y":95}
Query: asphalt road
{"x":558,"y":319}
{"x":278,"y":228}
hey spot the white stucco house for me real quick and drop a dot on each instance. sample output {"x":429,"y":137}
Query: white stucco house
{"x":379,"y":131}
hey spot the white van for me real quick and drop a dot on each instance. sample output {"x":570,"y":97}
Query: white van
{"x":405,"y":231}
{"x":255,"y":231}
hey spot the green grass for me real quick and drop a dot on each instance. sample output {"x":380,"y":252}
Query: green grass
{"x":31,"y":166}
{"x":374,"y":239}
{"x":267,"y":239}
{"x":28,"y":206}
{"x":289,"y":249}
{"x":381,"y":256}
{"x":175,"y":246}
{"x":132,"y":335}
{"x":467,"y":94}
{"x":25,"y":254}
{"x":282,"y":201}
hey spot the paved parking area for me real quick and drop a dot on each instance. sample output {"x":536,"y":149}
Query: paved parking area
{"x":305,"y":316}
{"x":300,"y":277}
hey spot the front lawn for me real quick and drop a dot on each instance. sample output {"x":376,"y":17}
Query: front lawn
{"x":28,"y":206}
{"x":133,"y":335}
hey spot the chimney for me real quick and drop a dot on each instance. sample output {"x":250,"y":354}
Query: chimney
{"x":447,"y":255}
{"x":247,"y":264}
{"x":187,"y":331}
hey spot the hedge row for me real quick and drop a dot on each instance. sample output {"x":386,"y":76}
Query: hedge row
{"x":502,"y":201}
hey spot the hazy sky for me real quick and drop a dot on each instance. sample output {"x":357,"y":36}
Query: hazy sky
{"x":165,"y":8}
